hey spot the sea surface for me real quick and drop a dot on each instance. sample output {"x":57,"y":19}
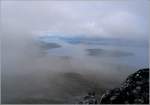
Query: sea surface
{"x":59,"y":69}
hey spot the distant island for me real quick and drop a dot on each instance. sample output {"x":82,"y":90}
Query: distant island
{"x":108,"y":53}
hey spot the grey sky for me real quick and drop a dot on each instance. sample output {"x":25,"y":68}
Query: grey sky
{"x":118,"y":18}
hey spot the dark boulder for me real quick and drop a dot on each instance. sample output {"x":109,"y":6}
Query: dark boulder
{"x":135,"y":90}
{"x":89,"y":99}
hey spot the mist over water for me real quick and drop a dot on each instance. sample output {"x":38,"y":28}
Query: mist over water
{"x":58,"y":51}
{"x":32,"y":73}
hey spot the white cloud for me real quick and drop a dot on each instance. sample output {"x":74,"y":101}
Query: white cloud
{"x":98,"y":18}
{"x":122,"y":24}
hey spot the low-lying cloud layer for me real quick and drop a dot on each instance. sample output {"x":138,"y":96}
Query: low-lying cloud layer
{"x":126,"y":19}
{"x":27,"y":71}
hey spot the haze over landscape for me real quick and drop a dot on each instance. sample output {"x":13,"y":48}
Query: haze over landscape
{"x":57,"y":51}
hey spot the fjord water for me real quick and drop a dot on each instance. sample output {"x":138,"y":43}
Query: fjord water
{"x":56,"y":70}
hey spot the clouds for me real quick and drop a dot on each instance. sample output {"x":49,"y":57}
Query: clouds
{"x":125,"y":19}
{"x":122,"y":24}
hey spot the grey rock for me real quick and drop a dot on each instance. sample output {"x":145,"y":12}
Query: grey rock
{"x":135,"y":90}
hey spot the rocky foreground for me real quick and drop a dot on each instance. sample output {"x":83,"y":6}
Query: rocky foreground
{"x":134,"y":90}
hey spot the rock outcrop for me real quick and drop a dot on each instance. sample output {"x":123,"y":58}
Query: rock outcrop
{"x":134,"y":90}
{"x":89,"y":99}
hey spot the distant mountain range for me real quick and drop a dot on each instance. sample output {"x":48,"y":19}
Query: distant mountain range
{"x":88,"y":40}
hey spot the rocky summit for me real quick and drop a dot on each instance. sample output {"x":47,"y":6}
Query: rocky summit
{"x":134,"y":90}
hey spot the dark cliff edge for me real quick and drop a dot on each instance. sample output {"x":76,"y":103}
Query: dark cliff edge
{"x":134,"y":90}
